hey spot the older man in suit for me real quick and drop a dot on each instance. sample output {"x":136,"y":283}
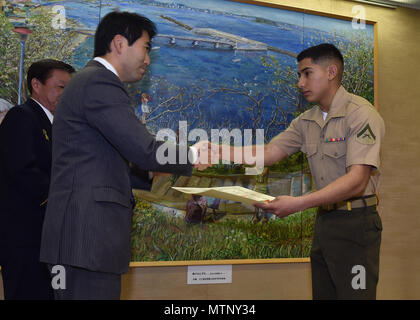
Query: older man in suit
{"x":96,"y":135}
{"x":25,"y":164}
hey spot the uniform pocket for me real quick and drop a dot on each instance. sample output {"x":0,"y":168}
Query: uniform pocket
{"x":372,"y":229}
{"x":377,"y":222}
{"x":335,"y":149}
{"x":309,"y":149}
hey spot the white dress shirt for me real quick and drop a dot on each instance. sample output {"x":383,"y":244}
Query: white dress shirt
{"x":47,"y":112}
{"x":107,"y":65}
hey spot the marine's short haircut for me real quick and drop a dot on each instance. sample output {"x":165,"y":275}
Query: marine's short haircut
{"x":322,"y":52}
{"x":42,"y":70}
{"x":129,"y":25}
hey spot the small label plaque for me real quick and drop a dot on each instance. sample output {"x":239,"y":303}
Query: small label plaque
{"x":209,"y":274}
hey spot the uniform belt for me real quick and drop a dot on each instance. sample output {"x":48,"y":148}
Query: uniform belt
{"x":347,"y":205}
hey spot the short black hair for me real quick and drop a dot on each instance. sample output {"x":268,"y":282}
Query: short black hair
{"x":42,"y":70}
{"x":129,"y":25}
{"x":321,"y":52}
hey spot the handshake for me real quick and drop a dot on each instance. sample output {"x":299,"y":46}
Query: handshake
{"x":206,"y":154}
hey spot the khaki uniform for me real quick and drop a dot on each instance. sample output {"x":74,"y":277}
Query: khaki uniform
{"x":351,"y":134}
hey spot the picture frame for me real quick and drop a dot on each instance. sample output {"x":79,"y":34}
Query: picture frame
{"x":373,"y":100}
{"x":217,"y":47}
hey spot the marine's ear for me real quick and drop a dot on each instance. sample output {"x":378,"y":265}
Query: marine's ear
{"x":332,"y":71}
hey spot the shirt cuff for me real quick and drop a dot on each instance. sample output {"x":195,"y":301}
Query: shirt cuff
{"x":194,"y":155}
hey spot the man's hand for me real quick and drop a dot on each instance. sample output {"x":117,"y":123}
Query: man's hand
{"x":282,"y":206}
{"x":207,"y":152}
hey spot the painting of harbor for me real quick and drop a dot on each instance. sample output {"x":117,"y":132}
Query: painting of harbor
{"x":216,"y":65}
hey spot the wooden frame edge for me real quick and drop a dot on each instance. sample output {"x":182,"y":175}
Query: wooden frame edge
{"x":264,"y":3}
{"x":217,"y":262}
{"x":375,"y":67}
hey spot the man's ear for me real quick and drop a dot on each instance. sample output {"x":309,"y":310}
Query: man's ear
{"x":35,"y":83}
{"x":332,"y":71}
{"x":118,"y":43}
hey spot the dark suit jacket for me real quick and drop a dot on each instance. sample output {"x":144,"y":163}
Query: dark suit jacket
{"x":25,"y":165}
{"x":96,"y":134}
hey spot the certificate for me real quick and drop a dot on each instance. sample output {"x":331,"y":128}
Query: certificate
{"x":234,"y":193}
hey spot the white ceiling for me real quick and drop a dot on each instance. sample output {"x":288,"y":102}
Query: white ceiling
{"x":415,"y":4}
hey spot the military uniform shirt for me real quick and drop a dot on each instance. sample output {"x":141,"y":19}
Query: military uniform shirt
{"x":350,"y":135}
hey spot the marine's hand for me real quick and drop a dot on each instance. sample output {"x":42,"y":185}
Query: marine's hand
{"x":282,"y":206}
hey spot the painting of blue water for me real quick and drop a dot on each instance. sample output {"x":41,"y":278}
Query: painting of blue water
{"x":213,"y":59}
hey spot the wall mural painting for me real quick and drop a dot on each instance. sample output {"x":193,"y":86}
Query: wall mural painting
{"x":216,"y":64}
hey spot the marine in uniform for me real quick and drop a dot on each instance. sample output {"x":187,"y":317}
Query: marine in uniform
{"x":347,"y":233}
{"x":341,"y":137}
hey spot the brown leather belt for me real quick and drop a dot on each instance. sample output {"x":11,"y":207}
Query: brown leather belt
{"x":347,"y":205}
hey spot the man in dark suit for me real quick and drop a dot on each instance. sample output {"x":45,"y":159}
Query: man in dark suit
{"x":87,"y":227}
{"x":25,"y":164}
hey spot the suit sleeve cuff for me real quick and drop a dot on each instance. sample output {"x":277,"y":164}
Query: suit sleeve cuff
{"x":194,"y":155}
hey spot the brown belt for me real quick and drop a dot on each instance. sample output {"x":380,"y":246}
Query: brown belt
{"x":347,"y":205}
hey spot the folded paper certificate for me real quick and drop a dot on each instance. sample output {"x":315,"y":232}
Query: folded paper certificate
{"x":233,"y":193}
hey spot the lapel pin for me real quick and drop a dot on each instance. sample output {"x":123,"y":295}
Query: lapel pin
{"x":45,"y":134}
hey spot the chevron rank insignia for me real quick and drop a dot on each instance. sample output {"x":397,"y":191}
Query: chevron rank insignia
{"x":366,"y":135}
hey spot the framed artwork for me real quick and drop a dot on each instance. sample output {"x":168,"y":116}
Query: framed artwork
{"x":222,"y":66}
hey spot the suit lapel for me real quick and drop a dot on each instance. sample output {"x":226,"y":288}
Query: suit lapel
{"x":42,"y":118}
